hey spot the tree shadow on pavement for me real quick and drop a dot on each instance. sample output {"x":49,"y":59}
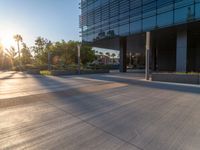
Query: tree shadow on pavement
{"x":132,"y":119}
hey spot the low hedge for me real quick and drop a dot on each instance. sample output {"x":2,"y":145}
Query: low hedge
{"x":72,"y":72}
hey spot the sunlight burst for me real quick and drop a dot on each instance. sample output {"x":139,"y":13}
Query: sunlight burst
{"x":6,"y":38}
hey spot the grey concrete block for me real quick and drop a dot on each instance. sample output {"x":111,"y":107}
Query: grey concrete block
{"x":177,"y":78}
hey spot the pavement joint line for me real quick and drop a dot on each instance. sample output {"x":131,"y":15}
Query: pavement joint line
{"x":162,"y":116}
{"x":116,"y":108}
{"x":85,"y":121}
{"x":177,"y":128}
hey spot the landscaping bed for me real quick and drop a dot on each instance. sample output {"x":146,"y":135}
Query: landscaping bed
{"x":72,"y":72}
{"x":187,"y":78}
{"x":33,"y":71}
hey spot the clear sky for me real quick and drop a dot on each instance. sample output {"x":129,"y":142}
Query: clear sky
{"x":52,"y":19}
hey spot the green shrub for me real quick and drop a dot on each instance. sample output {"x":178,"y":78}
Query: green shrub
{"x":45,"y":73}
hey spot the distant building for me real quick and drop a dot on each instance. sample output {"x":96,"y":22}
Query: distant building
{"x":121,"y":25}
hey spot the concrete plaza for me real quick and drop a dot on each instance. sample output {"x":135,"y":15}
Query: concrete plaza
{"x":97,"y":112}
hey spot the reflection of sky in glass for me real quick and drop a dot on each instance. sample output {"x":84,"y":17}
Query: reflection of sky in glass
{"x":118,"y":18}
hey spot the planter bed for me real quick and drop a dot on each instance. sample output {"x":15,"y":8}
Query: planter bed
{"x":95,"y":71}
{"x":74,"y":72}
{"x":62,"y":73}
{"x":177,"y":78}
{"x":33,"y":71}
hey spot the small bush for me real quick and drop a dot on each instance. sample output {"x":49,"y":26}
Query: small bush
{"x":45,"y":73}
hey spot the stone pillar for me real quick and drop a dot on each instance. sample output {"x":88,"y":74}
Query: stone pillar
{"x":147,"y":59}
{"x":123,"y":50}
{"x":181,"y":50}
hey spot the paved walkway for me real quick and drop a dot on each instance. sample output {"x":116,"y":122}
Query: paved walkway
{"x":104,"y":112}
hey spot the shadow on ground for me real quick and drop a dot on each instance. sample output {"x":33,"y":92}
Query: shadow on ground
{"x":141,"y":119}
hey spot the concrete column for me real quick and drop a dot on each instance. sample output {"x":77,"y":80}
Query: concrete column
{"x":123,"y":50}
{"x":147,"y":62}
{"x":181,"y":50}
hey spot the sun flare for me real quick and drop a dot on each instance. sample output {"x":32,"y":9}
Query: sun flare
{"x":6,"y":38}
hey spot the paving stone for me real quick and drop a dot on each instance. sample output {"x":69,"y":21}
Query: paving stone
{"x":97,"y":112}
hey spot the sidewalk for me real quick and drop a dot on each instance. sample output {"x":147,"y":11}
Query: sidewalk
{"x":107,"y":111}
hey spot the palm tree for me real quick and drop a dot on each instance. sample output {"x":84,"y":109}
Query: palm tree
{"x":1,"y":55}
{"x":100,"y":53}
{"x":113,"y":56}
{"x":108,"y":54}
{"x":11,"y":54}
{"x":18,"y":38}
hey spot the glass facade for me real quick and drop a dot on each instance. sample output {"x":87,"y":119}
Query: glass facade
{"x":102,"y":19}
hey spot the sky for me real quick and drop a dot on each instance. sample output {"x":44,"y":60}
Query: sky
{"x":51,"y":19}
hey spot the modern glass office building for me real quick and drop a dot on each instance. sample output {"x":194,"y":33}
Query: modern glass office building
{"x":121,"y":25}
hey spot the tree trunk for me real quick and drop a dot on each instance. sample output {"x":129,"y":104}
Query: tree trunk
{"x":20,"y":63}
